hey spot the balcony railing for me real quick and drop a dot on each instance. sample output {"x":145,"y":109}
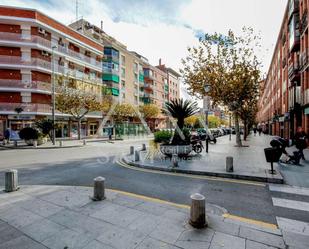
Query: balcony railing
{"x":304,"y":58}
{"x":35,"y":85}
{"x":7,"y":36}
{"x":16,"y":60}
{"x":35,"y":108}
{"x":304,"y":21}
{"x":293,"y":69}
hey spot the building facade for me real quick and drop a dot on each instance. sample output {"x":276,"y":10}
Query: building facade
{"x":33,"y":48}
{"x":284,"y":96}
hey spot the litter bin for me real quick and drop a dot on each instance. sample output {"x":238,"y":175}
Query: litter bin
{"x":272,"y":156}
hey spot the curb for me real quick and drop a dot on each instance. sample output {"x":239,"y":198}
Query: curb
{"x":278,"y":180}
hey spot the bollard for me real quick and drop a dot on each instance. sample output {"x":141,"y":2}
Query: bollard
{"x":136,"y":156}
{"x":143,"y":147}
{"x":198,"y":211}
{"x":175,"y":160}
{"x":84,"y":142}
{"x":131,"y":150}
{"x":60,"y":143}
{"x":35,"y":143}
{"x":229,"y":164}
{"x":11,"y":180}
{"x":99,"y":189}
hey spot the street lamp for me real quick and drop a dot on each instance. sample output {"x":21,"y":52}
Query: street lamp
{"x":53,"y":96}
{"x":207,"y":88}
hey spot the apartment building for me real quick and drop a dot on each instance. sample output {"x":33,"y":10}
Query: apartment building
{"x":284,"y":96}
{"x":33,"y":49}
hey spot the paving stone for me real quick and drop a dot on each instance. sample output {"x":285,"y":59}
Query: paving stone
{"x":262,"y":237}
{"x":121,"y":238}
{"x":42,"y":229}
{"x":168,"y":233}
{"x":153,"y":208}
{"x":126,"y":201}
{"x":150,"y":243}
{"x":40,"y":207}
{"x":19,"y":217}
{"x":294,"y":226}
{"x":22,"y":242}
{"x":225,"y":241}
{"x":69,"y":238}
{"x":255,"y":245}
{"x":144,"y":224}
{"x":92,"y":207}
{"x":296,"y":240}
{"x":66,"y":199}
{"x":97,"y":245}
{"x":205,"y":235}
{"x":175,"y":216}
{"x":193,"y":244}
{"x":8,"y":232}
{"x":217,"y":224}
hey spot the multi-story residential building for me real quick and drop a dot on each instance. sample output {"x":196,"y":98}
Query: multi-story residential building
{"x":33,"y":49}
{"x":284,"y":98}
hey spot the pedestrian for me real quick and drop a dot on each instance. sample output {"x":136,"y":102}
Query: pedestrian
{"x":300,"y":141}
{"x":7,"y":135}
{"x":254,"y":131}
{"x":260,"y":131}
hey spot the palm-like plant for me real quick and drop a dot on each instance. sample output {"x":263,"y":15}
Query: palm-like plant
{"x":181,"y":109}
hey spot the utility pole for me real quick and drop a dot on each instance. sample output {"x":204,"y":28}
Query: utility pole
{"x":53,"y":96}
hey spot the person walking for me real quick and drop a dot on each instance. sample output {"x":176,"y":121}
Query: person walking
{"x":254,"y":131}
{"x":300,"y":141}
{"x":260,"y":131}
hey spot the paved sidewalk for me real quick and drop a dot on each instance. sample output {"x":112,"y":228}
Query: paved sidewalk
{"x":57,"y":217}
{"x":249,"y":162}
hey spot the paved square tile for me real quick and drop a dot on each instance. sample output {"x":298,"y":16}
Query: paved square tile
{"x":205,"y":235}
{"x":8,"y":232}
{"x":168,"y":233}
{"x":97,"y":245}
{"x":150,"y":243}
{"x":225,"y":241}
{"x":22,"y":242}
{"x":255,"y":245}
{"x":193,"y":244}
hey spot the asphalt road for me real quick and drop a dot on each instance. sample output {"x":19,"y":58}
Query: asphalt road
{"x":78,"y":166}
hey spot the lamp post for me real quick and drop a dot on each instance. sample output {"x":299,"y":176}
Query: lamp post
{"x":206,"y":107}
{"x":230,"y":124}
{"x":53,"y":96}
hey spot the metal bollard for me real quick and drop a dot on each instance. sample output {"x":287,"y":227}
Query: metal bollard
{"x":136,"y":156}
{"x":99,"y":189}
{"x":198,"y":211}
{"x":84,"y":142}
{"x":60,"y":143}
{"x":131,"y":150}
{"x":229,"y":164}
{"x":143,"y":147}
{"x":11,"y":180}
{"x":175,"y":160}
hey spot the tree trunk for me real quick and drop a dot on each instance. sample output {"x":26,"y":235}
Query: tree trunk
{"x":79,"y":127}
{"x":245,"y":130}
{"x":238,"y":138}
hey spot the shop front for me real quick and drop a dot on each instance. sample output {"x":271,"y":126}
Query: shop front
{"x":3,"y":125}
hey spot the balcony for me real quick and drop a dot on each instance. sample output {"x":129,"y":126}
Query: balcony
{"x":27,"y":108}
{"x":293,"y":70}
{"x":293,"y":7}
{"x":6,"y":36}
{"x":34,"y":85}
{"x":304,"y":59}
{"x":304,"y":21}
{"x":113,"y":58}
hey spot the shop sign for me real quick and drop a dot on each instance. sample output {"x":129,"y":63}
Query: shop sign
{"x":21,"y":117}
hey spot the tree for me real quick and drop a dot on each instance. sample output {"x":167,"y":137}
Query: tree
{"x":122,"y":112}
{"x":78,"y":104}
{"x":181,"y":109}
{"x":149,"y":111}
{"x":230,"y":66}
{"x":45,"y":126}
{"x":213,"y":122}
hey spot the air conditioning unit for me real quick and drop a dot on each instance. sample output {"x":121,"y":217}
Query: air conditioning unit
{"x":42,"y":31}
{"x":44,"y":53}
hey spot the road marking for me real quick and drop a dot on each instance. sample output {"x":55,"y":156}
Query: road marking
{"x":211,"y":178}
{"x":294,"y":226}
{"x":226,"y":215}
{"x":289,"y":190}
{"x":250,"y":221}
{"x":147,"y":198}
{"x":297,"y":205}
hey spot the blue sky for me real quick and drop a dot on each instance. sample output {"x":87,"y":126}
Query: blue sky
{"x":165,"y":28}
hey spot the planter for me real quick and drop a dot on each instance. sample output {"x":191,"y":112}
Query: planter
{"x":180,"y":150}
{"x":40,"y":141}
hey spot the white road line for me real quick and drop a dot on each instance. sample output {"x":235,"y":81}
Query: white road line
{"x":297,"y":205}
{"x":294,"y":226}
{"x":289,"y":190}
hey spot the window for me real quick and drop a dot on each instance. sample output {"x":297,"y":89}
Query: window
{"x":123,"y":72}
{"x":123,"y":83}
{"x":135,"y":67}
{"x":123,"y":59}
{"x":135,"y":77}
